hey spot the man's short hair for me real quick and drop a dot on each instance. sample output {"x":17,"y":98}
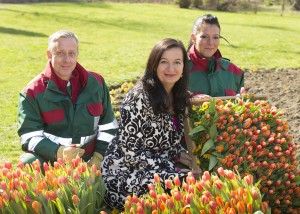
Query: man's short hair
{"x":60,"y":34}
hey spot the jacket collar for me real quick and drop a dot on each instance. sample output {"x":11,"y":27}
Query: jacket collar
{"x":78,"y":81}
{"x":78,"y":72}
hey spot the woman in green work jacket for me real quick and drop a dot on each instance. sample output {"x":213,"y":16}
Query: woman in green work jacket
{"x":210,"y":74}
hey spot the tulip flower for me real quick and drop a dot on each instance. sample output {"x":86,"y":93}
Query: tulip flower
{"x":218,"y":195}
{"x":59,"y":190}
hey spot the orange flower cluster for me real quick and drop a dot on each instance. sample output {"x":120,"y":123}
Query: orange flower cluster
{"x":223,"y":192}
{"x":65,"y":187}
{"x":250,"y":137}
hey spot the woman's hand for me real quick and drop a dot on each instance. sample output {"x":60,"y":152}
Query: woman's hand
{"x":185,"y":159}
{"x":191,"y":162}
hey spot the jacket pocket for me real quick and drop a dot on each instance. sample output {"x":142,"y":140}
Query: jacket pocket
{"x":230,"y":92}
{"x":53,"y":116}
{"x":95,"y":109}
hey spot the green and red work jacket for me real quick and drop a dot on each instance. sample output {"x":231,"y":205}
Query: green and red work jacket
{"x":48,"y":118}
{"x":215,"y":77}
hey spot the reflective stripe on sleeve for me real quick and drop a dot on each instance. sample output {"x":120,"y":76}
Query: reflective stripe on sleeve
{"x":36,"y":136}
{"x":103,"y":136}
{"x":112,"y":125}
{"x":59,"y":140}
{"x":68,"y":141}
{"x":29,"y":135}
{"x":87,"y":139}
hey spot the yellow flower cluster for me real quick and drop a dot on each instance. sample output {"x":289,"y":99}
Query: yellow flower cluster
{"x":118,"y":94}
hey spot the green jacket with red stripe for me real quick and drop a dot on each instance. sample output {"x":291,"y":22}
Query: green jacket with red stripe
{"x":215,"y":77}
{"x":48,"y":118}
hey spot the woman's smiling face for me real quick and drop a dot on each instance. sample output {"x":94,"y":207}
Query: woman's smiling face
{"x":170,"y":67}
{"x":207,"y":40}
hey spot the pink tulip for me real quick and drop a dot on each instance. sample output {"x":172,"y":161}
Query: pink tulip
{"x":152,"y":194}
{"x":254,"y":193}
{"x":5,"y":197}
{"x":27,"y":198}
{"x":151,"y":187}
{"x":156,"y":178}
{"x":229,"y":174}
{"x":199,"y":186}
{"x":221,"y":171}
{"x":60,"y":161}
{"x":134,"y":199}
{"x":219,"y":184}
{"x":46,"y":167}
{"x":56,"y":165}
{"x":190,"y":180}
{"x":16,"y":183}
{"x":20,"y":165}
{"x":207,"y":193}
{"x":83,"y":168}
{"x":168,"y":184}
{"x":76,"y":177}
{"x":177,"y":181}
{"x":185,"y":186}
{"x":75,"y":199}
{"x":5,"y":171}
{"x":204,"y":199}
{"x":206,"y":176}
{"x":189,"y":198}
{"x":191,"y":189}
{"x":170,"y":203}
{"x":249,"y":179}
{"x":7,"y":164}
{"x":213,"y":205}
{"x":62,"y":180}
{"x":3,"y":185}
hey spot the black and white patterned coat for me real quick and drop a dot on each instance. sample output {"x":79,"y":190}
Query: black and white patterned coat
{"x":146,"y":144}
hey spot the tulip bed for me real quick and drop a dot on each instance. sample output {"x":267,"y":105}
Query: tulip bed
{"x":244,"y":147}
{"x":251,"y":137}
{"x":62,"y":188}
{"x":222,"y":192}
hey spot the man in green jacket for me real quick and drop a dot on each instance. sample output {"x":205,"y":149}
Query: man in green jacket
{"x":65,"y":111}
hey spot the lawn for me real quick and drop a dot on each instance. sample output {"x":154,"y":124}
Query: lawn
{"x":115,"y":40}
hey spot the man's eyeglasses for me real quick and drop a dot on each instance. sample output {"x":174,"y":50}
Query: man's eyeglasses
{"x":64,"y":55}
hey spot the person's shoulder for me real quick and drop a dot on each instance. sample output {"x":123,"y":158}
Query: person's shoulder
{"x":136,"y":92}
{"x":231,"y":67}
{"x":98,"y":77}
{"x":135,"y":95}
{"x":36,"y":86}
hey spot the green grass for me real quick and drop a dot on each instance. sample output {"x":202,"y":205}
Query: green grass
{"x":115,"y":40}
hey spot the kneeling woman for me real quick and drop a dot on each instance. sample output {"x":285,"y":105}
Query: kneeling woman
{"x":151,"y":127}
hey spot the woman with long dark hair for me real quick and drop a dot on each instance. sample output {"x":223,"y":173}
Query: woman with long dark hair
{"x":150,"y":127}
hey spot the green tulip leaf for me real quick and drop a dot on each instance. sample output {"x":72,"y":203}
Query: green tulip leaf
{"x":196,"y":130}
{"x":212,"y":162}
{"x":207,"y":145}
{"x":213,"y":132}
{"x":212,"y":106}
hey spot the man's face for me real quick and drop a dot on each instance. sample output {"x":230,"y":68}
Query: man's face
{"x":63,"y":57}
